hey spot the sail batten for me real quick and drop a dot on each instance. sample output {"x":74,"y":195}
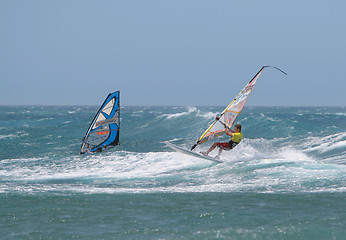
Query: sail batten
{"x":104,"y":128}
{"x":231,"y":112}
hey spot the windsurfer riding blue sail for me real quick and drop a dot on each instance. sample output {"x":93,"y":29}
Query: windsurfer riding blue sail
{"x":103,"y":131}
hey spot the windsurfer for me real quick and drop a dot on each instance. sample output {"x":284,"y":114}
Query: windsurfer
{"x":99,"y":149}
{"x":236,"y":136}
{"x":87,"y":149}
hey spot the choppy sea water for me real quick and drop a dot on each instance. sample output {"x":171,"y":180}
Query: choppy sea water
{"x":286,"y":180}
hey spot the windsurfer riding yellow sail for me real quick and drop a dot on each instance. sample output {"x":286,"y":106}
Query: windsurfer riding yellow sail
{"x":223,"y":123}
{"x":236,"y":136}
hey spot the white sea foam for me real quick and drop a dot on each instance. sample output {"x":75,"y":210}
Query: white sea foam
{"x":175,"y":115}
{"x":8,"y":136}
{"x":325,"y":144}
{"x":206,"y":114}
{"x":190,"y":110}
{"x":246,"y":168}
{"x":340,"y":114}
{"x":251,"y":166}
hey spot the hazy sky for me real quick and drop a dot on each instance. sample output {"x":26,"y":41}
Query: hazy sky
{"x":179,"y":52}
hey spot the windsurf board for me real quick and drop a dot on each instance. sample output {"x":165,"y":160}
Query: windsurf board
{"x":190,"y":153}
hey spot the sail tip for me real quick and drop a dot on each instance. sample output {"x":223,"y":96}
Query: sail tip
{"x":275,"y":68}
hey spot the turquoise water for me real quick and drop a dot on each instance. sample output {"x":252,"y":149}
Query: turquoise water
{"x":286,"y":180}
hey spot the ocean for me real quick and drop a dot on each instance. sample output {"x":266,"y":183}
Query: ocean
{"x":285,"y":180}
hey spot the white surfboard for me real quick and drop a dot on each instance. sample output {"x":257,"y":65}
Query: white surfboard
{"x":188,"y":152}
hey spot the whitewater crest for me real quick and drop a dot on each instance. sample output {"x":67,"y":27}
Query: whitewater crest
{"x":189,"y":111}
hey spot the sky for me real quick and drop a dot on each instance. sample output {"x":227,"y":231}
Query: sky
{"x":172,"y":53}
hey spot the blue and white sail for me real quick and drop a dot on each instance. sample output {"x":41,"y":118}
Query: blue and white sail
{"x":103,"y":131}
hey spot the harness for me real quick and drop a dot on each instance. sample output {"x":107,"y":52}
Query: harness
{"x":232,"y":144}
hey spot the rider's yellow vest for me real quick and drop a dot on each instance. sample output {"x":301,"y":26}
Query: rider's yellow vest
{"x":236,"y":137}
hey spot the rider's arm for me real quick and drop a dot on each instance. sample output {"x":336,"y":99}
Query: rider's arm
{"x":228,"y":131}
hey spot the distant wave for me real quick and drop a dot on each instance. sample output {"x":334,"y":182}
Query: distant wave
{"x":190,"y":110}
{"x":175,"y":115}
